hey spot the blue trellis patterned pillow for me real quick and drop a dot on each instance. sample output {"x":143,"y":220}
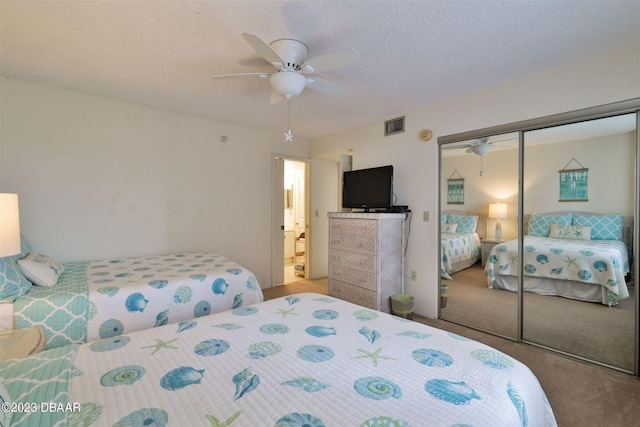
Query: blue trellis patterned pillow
{"x":603,"y":227}
{"x":540,"y":225}
{"x":466,"y":223}
{"x":13,"y":284}
{"x":443,"y":219}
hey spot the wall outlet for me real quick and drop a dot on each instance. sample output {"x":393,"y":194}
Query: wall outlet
{"x":425,"y":216}
{"x":414,"y":275}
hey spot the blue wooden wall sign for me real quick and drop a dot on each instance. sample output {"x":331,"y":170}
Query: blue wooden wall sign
{"x":573,"y":185}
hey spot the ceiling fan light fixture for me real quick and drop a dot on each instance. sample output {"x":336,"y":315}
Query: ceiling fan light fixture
{"x":481,"y":149}
{"x":288,"y":83}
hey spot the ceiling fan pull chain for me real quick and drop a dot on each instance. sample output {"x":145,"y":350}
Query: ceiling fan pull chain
{"x":288,"y":136}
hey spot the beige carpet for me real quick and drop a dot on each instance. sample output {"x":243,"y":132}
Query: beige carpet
{"x":580,"y":394}
{"x":590,"y":330}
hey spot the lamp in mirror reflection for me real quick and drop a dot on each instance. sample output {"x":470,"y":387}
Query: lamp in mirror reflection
{"x":498,"y":211}
{"x":9,"y":225}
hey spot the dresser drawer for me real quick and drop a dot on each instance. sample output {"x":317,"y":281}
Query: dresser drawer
{"x":348,"y":242}
{"x":353,"y":276}
{"x":353,"y":294}
{"x":357,"y":260}
{"x":360,"y":227}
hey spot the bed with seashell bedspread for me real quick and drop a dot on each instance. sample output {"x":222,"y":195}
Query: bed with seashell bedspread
{"x":300,"y":360}
{"x":100,"y":299}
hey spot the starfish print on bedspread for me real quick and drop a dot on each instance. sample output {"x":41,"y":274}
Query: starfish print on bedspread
{"x":161,"y":344}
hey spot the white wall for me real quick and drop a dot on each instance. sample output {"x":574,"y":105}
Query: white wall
{"x":592,"y":81}
{"x":99,"y":178}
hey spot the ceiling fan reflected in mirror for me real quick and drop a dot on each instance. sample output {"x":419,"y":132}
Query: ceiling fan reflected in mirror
{"x":293,"y":69}
{"x":479,"y":146}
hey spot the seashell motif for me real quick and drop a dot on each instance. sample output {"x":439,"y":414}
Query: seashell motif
{"x":162,"y":318}
{"x":325,"y":299}
{"x":530,"y":268}
{"x":234,"y":271}
{"x":320,"y":331}
{"x":183,"y":295}
{"x":501,"y":248}
{"x":237,"y":301}
{"x":615,"y":261}
{"x":530,"y":248}
{"x":542,"y":259}
{"x":458,"y":337}
{"x":228,"y":326}
{"x":584,"y":275}
{"x":103,"y":281}
{"x":585,"y":252}
{"x":201,"y":309}
{"x":517,"y":401}
{"x":219,"y":286}
{"x":116,"y":261}
{"x":136,"y":302}
{"x":365,"y":315}
{"x":556,"y":251}
{"x":120,"y":275}
{"x":430,"y":357}
{"x":413,"y":334}
{"x":124,"y":375}
{"x":274,"y":328}
{"x":296,"y":419}
{"x":109,"y":290}
{"x":196,"y":265}
{"x":315,"y":353}
{"x":211,"y":347}
{"x":158,"y":284}
{"x":244,"y":311}
{"x":307,"y":384}
{"x":186,"y":324}
{"x":457,"y":393}
{"x":601,"y":266}
{"x":141,"y":269}
{"x":111,"y":328}
{"x":377,"y":388}
{"x":292,"y":299}
{"x":260,"y":350}
{"x":252,"y":283}
{"x":557,"y":270}
{"x":92,"y":309}
{"x":185,"y":270}
{"x":100,"y":273}
{"x":245,"y":381}
{"x":181,"y":377}
{"x":493,"y":359}
{"x":198,"y":277}
{"x":153,"y":417}
{"x":98,"y":266}
{"x":369,"y":334}
{"x":384,"y":421}
{"x":108,"y":344}
{"x":325,"y":314}
{"x":492,"y":259}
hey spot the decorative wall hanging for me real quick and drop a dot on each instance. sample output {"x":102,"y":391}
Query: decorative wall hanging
{"x":573,"y":183}
{"x":455,"y":189}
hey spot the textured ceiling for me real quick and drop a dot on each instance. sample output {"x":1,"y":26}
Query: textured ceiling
{"x":161,"y":54}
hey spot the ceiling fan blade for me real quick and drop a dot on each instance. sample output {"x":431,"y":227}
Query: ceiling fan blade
{"x":264,"y":49}
{"x":330,"y":61}
{"x":323,"y":86}
{"x":241,"y":76}
{"x":276,"y":97}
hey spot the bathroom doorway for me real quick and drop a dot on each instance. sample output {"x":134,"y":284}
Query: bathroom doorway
{"x":295,"y":220}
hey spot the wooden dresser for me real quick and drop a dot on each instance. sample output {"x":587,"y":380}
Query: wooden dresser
{"x":366,"y":257}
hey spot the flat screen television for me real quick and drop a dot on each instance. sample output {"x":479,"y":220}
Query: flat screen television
{"x":368,"y":188}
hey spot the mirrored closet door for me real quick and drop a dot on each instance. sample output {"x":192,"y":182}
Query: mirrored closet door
{"x":552,"y":206}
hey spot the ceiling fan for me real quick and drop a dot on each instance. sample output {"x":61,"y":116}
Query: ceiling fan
{"x":479,"y":146}
{"x":289,"y":57}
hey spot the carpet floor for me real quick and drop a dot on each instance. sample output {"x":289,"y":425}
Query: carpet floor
{"x":581,"y":394}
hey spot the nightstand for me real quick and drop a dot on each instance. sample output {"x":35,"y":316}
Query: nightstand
{"x":487,"y":245}
{"x":21,"y":342}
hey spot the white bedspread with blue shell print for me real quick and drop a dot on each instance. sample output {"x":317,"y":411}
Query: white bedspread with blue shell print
{"x":456,"y":247}
{"x":600,"y":262}
{"x":300,"y":360}
{"x":130,"y":294}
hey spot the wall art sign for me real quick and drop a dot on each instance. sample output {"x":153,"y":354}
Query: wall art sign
{"x":455,"y":189}
{"x":574,"y":183}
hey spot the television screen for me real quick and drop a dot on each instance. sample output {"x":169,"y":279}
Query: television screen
{"x":368,"y":188}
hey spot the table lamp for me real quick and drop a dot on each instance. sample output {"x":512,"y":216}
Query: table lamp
{"x":9,"y":225}
{"x":498,"y":211}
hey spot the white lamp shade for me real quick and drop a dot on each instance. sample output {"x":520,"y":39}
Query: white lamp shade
{"x":497,"y":210}
{"x":9,"y":225}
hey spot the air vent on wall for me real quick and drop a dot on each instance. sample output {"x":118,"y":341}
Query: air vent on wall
{"x":393,"y":126}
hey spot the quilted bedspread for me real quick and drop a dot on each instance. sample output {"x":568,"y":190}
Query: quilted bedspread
{"x":100,"y":299}
{"x":600,"y":262}
{"x":456,"y":247}
{"x":300,"y":360}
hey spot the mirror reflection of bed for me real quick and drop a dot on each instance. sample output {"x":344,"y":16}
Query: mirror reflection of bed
{"x":600,"y":329}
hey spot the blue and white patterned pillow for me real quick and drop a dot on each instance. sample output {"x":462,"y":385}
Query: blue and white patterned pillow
{"x":540,"y":225}
{"x":25,"y":248}
{"x":443,"y":219}
{"x":466,"y":223}
{"x":5,"y":416}
{"x":603,"y":227}
{"x":13,"y":284}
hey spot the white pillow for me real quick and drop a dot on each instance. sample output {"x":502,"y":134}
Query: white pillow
{"x":40,"y":269}
{"x":577,"y":232}
{"x":5,"y":416}
{"x":449,"y":228}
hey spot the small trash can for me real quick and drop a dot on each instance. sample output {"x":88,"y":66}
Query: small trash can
{"x":444,"y":293}
{"x":402,"y":305}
